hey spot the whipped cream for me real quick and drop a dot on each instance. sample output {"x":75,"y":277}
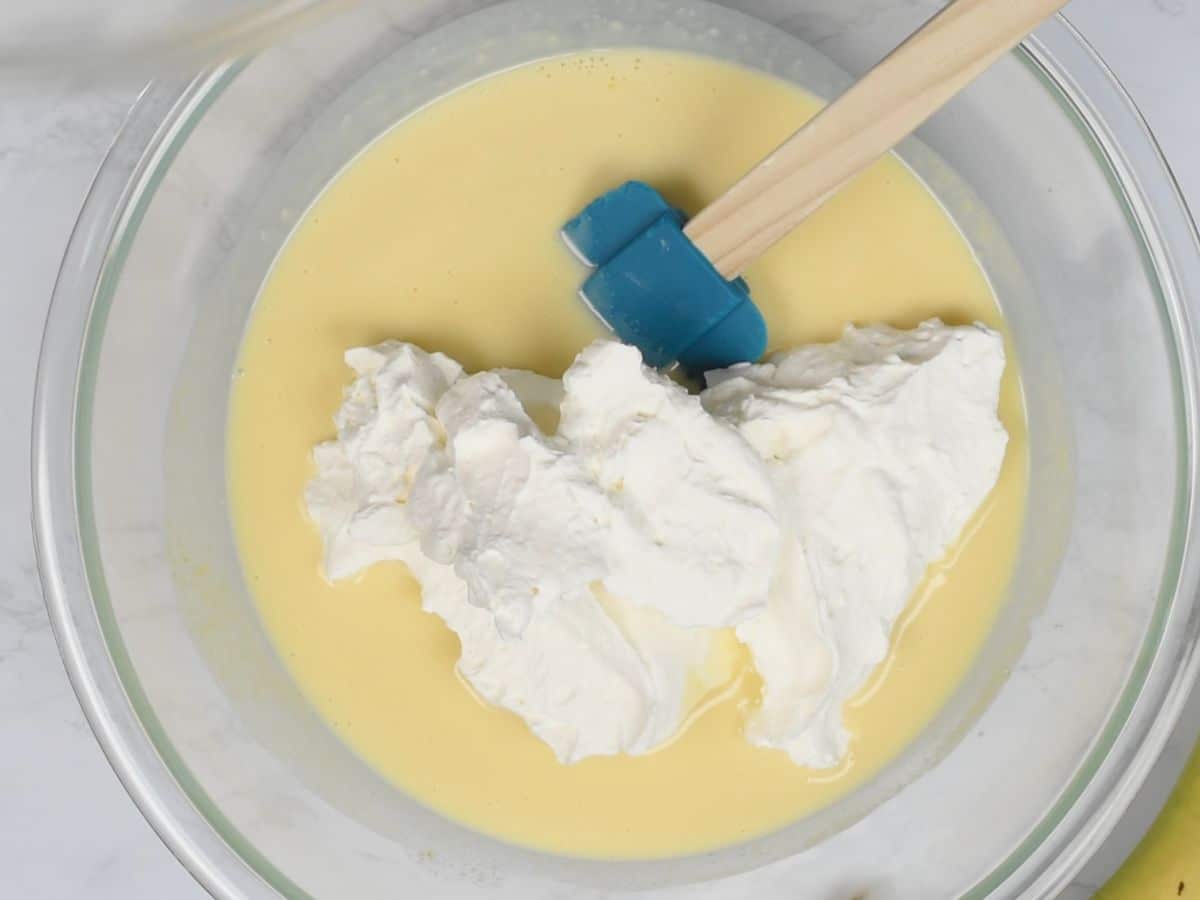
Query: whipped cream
{"x":882,"y":446}
{"x":588,"y":569}
{"x":692,"y":529}
{"x":593,"y":677}
{"x":521,"y":540}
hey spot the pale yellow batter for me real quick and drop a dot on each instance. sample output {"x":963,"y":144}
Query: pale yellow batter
{"x":445,"y":233}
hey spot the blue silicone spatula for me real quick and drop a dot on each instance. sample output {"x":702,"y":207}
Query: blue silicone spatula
{"x":672,"y":286}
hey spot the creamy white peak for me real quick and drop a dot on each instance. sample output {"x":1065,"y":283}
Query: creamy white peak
{"x":587,"y":569}
{"x":882,"y":446}
{"x":385,"y":428}
{"x":692,"y":530}
{"x":512,"y":510}
{"x":640,"y":490}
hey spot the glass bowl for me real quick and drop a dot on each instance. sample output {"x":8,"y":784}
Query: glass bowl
{"x":126,"y":36}
{"x":1053,"y":177}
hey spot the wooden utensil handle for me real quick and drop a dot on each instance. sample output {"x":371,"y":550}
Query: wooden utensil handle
{"x":874,"y":115}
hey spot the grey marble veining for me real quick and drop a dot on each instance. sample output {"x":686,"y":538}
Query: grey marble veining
{"x":67,"y":829}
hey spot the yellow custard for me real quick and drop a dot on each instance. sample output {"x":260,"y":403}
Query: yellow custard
{"x":444,"y":232}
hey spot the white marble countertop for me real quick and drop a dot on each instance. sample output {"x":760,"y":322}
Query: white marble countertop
{"x":67,"y":828}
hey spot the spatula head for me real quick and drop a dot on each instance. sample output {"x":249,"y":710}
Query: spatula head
{"x":656,"y":290}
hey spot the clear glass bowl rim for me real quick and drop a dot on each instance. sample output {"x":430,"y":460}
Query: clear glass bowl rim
{"x":156,"y":778}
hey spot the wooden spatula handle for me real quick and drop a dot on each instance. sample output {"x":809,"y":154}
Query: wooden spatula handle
{"x":895,"y":97}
